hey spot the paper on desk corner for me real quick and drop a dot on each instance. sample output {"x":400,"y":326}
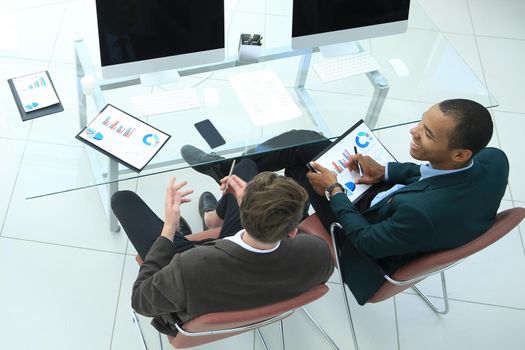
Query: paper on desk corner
{"x":264,"y":97}
{"x":35,"y":91}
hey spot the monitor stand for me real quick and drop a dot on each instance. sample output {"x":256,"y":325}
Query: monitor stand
{"x":159,"y":78}
{"x":341,"y":49}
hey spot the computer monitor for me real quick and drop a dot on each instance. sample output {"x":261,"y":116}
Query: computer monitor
{"x":138,"y":37}
{"x":326,"y":22}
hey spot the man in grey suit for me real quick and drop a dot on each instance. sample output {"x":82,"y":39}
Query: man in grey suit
{"x":261,"y":260}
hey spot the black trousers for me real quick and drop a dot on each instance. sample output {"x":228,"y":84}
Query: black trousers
{"x":143,"y":226}
{"x":274,"y":155}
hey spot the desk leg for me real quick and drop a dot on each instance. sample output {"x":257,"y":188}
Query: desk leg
{"x":381,"y":87}
{"x":83,"y":67}
{"x":113,"y":187}
{"x":302,"y":71}
{"x":300,"y":81}
{"x":82,"y":102}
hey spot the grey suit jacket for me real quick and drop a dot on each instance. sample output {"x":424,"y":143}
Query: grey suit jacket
{"x":221,"y":276}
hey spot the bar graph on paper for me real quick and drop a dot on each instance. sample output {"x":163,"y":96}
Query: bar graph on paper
{"x":41,"y":82}
{"x":119,"y":129}
{"x":340,"y":165}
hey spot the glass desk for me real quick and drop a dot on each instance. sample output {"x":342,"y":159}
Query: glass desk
{"x":436,"y":72}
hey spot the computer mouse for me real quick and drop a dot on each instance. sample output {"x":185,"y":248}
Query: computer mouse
{"x":399,"y":67}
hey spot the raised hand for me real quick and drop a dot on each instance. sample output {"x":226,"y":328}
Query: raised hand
{"x":174,"y":198}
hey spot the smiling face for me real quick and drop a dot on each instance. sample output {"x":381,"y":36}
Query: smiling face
{"x":430,"y":141}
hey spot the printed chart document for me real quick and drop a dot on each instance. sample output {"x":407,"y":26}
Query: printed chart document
{"x":35,"y":91}
{"x":337,"y":154}
{"x":264,"y":97}
{"x":123,"y":137}
{"x":34,"y":95}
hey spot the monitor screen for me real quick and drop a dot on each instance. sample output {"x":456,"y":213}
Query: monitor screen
{"x":137,"y":37}
{"x":325,"y":22}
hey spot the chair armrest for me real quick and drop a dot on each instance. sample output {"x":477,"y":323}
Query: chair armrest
{"x":236,"y":329}
{"x":420,"y":277}
{"x":392,"y":280}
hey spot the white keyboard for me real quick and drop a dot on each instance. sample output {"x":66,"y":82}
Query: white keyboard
{"x":165,"y":101}
{"x":345,"y":66}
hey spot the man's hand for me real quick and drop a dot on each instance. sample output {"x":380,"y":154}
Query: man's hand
{"x":322,"y":179}
{"x":236,"y":186}
{"x":174,"y":198}
{"x":373,"y":172}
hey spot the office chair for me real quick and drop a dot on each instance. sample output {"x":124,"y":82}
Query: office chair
{"x":219,"y":325}
{"x":427,"y":265}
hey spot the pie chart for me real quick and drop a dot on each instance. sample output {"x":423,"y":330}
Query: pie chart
{"x":151,"y":140}
{"x":350,"y":185}
{"x":362,"y":140}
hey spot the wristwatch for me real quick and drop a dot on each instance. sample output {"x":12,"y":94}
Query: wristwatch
{"x":329,"y":189}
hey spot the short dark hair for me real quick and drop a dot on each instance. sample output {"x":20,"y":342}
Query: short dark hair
{"x":272,"y":206}
{"x":474,"y":126}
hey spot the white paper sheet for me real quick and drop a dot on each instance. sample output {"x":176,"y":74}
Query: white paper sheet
{"x":264,"y":97}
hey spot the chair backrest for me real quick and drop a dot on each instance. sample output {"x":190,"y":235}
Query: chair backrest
{"x":229,"y":321}
{"x":505,"y":222}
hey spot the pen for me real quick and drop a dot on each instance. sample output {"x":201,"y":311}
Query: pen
{"x":358,"y":165}
{"x":230,"y":174}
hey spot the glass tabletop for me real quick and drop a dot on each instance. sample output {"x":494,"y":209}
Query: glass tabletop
{"x":435,"y":72}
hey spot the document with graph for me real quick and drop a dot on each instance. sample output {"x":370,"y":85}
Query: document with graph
{"x":35,"y":91}
{"x":123,"y":137}
{"x":35,"y":95}
{"x":359,"y":137}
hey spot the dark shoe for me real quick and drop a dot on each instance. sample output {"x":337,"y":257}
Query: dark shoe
{"x":207,"y":202}
{"x":192,"y":155}
{"x":184,"y":228}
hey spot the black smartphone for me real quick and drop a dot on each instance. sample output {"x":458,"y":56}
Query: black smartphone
{"x":210,"y":133}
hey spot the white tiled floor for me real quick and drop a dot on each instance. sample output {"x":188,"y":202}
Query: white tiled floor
{"x":65,"y":280}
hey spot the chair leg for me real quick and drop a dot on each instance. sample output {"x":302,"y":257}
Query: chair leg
{"x":160,"y":341}
{"x":137,"y":323}
{"x":262,"y":339}
{"x":342,"y":284}
{"x":347,"y":307}
{"x":430,"y":303}
{"x":281,"y":324}
{"x":316,"y":325}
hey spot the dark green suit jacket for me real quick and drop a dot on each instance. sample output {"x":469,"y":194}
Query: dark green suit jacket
{"x":437,"y":213}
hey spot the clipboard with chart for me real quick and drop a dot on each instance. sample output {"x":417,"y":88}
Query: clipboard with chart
{"x":122,"y":137}
{"x":337,"y":154}
{"x":35,"y":95}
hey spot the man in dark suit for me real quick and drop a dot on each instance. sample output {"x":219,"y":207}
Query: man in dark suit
{"x":440,"y":205}
{"x":411,"y":209}
{"x":260,"y":259}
